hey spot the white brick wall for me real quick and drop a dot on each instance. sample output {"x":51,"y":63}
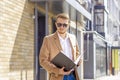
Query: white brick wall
{"x":16,"y":40}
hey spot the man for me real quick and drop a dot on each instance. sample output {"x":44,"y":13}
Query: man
{"x":53,"y":44}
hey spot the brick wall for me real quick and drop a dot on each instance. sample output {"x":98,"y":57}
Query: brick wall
{"x":16,"y":40}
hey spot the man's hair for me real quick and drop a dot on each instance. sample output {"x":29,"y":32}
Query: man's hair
{"x":63,"y":16}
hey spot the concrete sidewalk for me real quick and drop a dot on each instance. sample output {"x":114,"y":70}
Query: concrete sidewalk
{"x":111,"y":77}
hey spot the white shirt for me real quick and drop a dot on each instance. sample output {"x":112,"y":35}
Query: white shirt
{"x":66,"y":47}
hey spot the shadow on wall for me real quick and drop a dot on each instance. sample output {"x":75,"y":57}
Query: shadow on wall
{"x":22,"y":57}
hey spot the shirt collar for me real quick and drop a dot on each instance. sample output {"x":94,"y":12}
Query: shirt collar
{"x":62,"y":38}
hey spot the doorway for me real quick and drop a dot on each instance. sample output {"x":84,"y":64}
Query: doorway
{"x":40,"y":23}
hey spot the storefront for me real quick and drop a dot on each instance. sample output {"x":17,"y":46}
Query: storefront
{"x":95,"y":59}
{"x":115,"y":60}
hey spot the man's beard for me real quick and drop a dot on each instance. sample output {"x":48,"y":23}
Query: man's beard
{"x":62,"y":32}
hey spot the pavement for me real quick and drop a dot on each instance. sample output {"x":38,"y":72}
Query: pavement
{"x":109,"y":77}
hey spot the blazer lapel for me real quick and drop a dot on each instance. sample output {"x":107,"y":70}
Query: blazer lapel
{"x":57,"y":41}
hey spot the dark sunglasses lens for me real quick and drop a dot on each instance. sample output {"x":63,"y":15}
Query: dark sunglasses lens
{"x":64,"y":25}
{"x":59,"y":25}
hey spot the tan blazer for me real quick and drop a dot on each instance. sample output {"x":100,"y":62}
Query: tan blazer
{"x":50,"y":48}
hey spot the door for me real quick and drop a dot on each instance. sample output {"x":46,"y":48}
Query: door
{"x":40,"y":73}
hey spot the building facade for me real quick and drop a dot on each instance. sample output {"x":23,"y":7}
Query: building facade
{"x":103,"y":59}
{"x":23,"y":24}
{"x":113,"y":30}
{"x":95,"y":60}
{"x":16,"y":40}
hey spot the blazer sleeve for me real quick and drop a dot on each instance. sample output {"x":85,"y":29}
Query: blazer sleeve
{"x":44,"y":58}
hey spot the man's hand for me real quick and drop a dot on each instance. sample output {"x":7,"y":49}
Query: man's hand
{"x":62,"y":72}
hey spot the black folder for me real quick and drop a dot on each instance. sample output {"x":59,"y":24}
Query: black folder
{"x":61,"y":60}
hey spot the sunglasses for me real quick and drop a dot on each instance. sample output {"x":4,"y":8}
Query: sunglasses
{"x":60,"y":24}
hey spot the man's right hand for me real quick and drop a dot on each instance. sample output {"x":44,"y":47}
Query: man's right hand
{"x":62,"y":72}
